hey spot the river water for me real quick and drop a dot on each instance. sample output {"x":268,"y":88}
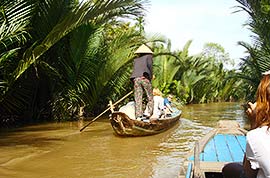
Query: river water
{"x":59,"y":150}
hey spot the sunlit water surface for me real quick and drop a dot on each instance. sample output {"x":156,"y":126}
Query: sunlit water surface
{"x":60,"y":150}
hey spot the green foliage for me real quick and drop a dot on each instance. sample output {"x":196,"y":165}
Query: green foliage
{"x":59,"y":57}
{"x":258,"y":60}
{"x":216,"y":53}
{"x":13,"y":35}
{"x":50,"y":62}
{"x":195,"y":79}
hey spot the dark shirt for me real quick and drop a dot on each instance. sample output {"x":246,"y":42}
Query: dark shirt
{"x":142,"y":66}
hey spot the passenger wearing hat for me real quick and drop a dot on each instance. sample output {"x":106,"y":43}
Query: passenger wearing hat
{"x":141,"y":77}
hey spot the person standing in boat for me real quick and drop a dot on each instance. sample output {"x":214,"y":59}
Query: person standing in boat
{"x":256,"y":163}
{"x":141,"y":77}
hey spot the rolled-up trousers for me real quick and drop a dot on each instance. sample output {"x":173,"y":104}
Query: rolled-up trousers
{"x":140,"y":84}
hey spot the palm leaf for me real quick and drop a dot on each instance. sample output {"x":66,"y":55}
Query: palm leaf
{"x":14,"y":19}
{"x":86,"y":12}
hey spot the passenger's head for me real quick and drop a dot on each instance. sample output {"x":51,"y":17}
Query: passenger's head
{"x":157,"y":92}
{"x":170,"y":97}
{"x":263,"y":101}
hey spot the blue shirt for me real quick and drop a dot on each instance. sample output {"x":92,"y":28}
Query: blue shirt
{"x":166,"y":101}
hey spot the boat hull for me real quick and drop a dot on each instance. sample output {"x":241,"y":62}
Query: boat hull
{"x":124,"y":126}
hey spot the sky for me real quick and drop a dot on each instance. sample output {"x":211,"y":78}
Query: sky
{"x":201,"y":21}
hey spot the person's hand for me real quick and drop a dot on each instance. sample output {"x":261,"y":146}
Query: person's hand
{"x":251,"y":113}
{"x":251,"y":110}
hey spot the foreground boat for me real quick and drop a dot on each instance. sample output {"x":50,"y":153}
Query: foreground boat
{"x":123,"y":125}
{"x":222,"y":145}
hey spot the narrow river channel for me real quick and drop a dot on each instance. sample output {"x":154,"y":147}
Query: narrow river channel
{"x":59,"y":150}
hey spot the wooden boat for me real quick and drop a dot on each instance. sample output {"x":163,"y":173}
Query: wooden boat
{"x":123,"y":125}
{"x":222,"y":145}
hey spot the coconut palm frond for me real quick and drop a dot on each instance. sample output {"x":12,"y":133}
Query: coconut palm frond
{"x":120,"y":55}
{"x":253,"y":65}
{"x":14,"y":19}
{"x":86,"y":12}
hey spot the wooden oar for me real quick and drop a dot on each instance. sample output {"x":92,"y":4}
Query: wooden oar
{"x":93,"y":120}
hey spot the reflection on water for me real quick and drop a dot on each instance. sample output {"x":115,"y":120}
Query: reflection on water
{"x":59,"y":150}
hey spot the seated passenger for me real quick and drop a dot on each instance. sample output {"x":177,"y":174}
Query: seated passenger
{"x":158,"y":103}
{"x":129,"y":109}
{"x":167,"y":105}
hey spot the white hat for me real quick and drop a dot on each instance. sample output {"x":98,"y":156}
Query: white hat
{"x":266,"y":73}
{"x":143,"y":49}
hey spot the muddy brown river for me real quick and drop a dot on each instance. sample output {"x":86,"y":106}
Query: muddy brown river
{"x":59,"y":150}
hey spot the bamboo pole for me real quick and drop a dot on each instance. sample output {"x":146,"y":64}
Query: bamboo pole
{"x":93,"y":120}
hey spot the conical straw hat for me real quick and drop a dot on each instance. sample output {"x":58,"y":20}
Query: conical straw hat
{"x":143,"y":49}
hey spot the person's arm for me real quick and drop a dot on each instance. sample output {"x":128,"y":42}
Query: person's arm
{"x":150,"y":65}
{"x":170,"y":107}
{"x":249,"y":172}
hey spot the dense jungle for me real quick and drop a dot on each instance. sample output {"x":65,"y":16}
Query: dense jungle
{"x":65,"y":59}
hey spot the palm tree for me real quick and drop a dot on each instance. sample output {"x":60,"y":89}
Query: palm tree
{"x":14,"y":34}
{"x":99,"y":72}
{"x":36,"y":70}
{"x":258,"y":60}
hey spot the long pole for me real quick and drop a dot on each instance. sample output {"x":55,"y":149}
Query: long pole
{"x":93,"y":120}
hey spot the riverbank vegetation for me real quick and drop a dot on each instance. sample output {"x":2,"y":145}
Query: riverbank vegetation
{"x":60,"y":59}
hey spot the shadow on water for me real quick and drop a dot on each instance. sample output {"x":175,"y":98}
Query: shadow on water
{"x":60,"y":150}
{"x":38,"y":134}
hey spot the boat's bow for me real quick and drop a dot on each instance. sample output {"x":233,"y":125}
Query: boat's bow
{"x":222,"y":145}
